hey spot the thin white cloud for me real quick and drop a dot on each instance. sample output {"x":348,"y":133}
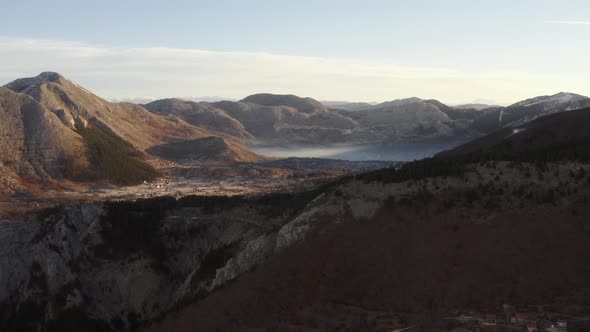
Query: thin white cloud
{"x":116,"y":72}
{"x":569,"y":22}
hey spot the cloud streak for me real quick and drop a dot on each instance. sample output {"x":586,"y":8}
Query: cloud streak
{"x":116,"y":72}
{"x":569,"y":22}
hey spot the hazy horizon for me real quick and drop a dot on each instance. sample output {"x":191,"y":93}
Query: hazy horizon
{"x":456,"y":51}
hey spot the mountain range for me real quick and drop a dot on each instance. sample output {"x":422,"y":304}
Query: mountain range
{"x":500,"y":220}
{"x":287,"y":119}
{"x":52,"y":128}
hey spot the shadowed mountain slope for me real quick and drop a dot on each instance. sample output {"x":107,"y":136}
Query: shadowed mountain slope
{"x":203,"y":115}
{"x":208,"y":149}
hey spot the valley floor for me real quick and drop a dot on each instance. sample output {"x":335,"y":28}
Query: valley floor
{"x":280,"y":175}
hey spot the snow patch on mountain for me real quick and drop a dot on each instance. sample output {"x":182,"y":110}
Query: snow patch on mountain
{"x":544,"y":105}
{"x":554,"y":101}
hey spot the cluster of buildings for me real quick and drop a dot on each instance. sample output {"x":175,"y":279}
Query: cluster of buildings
{"x":528,"y":321}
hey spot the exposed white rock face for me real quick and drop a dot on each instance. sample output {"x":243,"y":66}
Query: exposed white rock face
{"x":295,"y":230}
{"x":359,"y":200}
{"x":113,"y":267}
{"x":256,"y":252}
{"x":116,"y":265}
{"x":73,"y":121}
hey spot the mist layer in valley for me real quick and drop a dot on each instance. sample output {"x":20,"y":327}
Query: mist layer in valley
{"x":403,"y":151}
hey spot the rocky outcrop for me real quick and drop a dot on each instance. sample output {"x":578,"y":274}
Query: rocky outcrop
{"x":112,"y":266}
{"x":255,"y":252}
{"x":73,"y":121}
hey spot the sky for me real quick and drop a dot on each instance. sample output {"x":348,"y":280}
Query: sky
{"x":457,"y":51}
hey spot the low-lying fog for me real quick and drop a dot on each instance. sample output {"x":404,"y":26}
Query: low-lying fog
{"x":382,"y":152}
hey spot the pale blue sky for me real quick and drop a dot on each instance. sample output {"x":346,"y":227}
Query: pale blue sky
{"x":452,"y":50}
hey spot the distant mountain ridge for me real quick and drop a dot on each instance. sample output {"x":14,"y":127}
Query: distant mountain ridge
{"x":474,"y":106}
{"x":288,"y":119}
{"x":348,"y":106}
{"x":562,"y":135}
{"x":147,"y":100}
{"x":266,"y":118}
{"x":302,"y":104}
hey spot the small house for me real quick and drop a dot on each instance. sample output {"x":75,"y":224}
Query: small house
{"x":562,"y":324}
{"x":523,"y":319}
{"x":490,"y":320}
{"x":531,"y":327}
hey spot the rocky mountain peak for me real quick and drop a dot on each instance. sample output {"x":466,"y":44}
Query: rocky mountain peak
{"x":24,"y":85}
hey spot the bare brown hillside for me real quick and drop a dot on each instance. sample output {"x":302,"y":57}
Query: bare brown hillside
{"x":33,"y":140}
{"x":77,"y":105}
{"x":63,"y":135}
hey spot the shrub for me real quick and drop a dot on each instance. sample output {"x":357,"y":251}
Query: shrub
{"x":415,"y":170}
